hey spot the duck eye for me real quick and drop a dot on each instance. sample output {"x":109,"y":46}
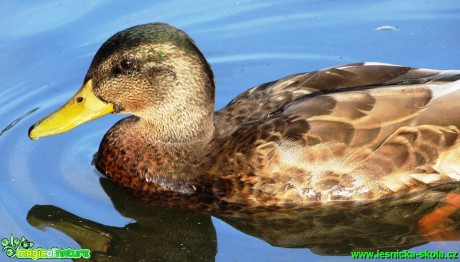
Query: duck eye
{"x":126,"y":65}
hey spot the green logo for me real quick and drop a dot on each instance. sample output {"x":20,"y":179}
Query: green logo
{"x":22,"y":248}
{"x":12,"y":245}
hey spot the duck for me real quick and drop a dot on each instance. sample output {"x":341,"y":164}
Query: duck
{"x":351,"y":133}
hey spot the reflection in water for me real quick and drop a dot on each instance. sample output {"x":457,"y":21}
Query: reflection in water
{"x":170,"y":230}
{"x":157,"y":234}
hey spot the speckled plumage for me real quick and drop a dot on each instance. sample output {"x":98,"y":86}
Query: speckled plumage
{"x":356,"y":132}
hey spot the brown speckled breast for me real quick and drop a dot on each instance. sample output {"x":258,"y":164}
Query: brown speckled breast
{"x":134,"y":163}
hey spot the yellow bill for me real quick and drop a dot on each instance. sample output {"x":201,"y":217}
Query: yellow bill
{"x":83,"y":107}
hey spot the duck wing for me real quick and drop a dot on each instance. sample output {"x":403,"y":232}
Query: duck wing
{"x":355,"y":132}
{"x":258,"y":102}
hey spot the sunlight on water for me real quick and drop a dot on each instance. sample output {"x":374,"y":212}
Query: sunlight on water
{"x":48,"y":46}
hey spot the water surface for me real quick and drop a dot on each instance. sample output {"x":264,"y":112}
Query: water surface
{"x":47,"y":47}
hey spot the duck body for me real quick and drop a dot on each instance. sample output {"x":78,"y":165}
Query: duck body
{"x":271,"y":147}
{"x":357,"y":132}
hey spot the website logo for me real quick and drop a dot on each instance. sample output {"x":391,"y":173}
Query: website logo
{"x":22,"y":248}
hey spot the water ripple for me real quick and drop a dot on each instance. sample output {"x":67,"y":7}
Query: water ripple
{"x":47,"y":48}
{"x":17,"y":120}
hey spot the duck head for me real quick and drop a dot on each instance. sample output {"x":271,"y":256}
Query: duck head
{"x":153,"y":71}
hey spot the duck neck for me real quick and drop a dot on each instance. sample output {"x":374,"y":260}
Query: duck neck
{"x":182,"y":128}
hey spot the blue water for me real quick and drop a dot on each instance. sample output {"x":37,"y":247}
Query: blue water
{"x":46,"y":48}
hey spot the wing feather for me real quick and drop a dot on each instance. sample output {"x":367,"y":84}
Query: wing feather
{"x":261,"y":101}
{"x":359,"y":131}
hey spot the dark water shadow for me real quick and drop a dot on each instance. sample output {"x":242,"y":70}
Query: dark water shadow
{"x":181,"y":229}
{"x":158,"y":234}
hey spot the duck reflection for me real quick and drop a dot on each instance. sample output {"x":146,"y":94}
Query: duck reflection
{"x":181,"y":229}
{"x":159,"y":234}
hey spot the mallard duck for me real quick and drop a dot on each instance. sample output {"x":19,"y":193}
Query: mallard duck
{"x":356,"y":132}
